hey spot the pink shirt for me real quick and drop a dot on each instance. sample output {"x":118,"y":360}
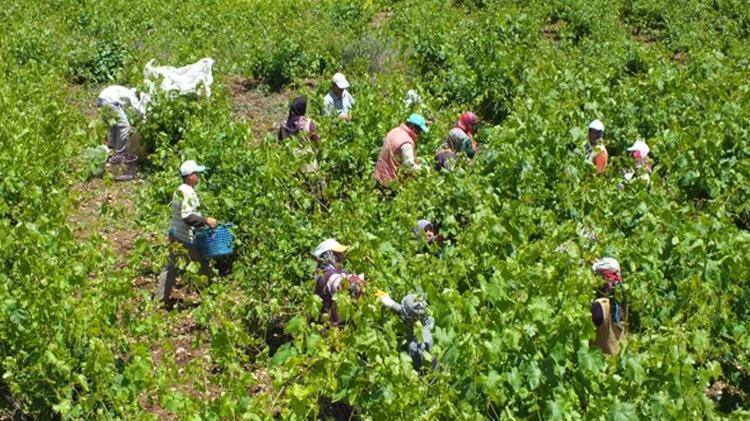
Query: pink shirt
{"x":386,"y":169}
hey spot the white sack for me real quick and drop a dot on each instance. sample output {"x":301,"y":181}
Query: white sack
{"x":186,"y":79}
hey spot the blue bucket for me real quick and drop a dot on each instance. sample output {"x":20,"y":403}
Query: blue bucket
{"x":215,"y":242}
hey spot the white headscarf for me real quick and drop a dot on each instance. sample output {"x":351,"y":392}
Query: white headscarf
{"x":606,"y":264}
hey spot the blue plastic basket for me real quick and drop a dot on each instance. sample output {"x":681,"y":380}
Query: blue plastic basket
{"x":215,"y":242}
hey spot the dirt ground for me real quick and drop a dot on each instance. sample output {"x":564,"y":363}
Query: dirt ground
{"x":262,"y":109}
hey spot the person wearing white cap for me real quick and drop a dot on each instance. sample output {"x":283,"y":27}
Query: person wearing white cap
{"x":331,"y":277}
{"x":596,"y":153}
{"x":338,"y":101}
{"x":643,"y":164}
{"x":112,"y":101}
{"x":608,"y":314}
{"x":185,"y":219}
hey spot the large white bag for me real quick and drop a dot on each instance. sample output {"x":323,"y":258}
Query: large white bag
{"x":186,"y":79}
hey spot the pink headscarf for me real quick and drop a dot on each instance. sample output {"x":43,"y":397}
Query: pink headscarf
{"x":466,"y":122}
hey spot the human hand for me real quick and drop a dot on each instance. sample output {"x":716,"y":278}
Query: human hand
{"x":211,"y":222}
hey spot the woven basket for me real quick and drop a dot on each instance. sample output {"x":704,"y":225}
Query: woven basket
{"x":123,"y":166}
{"x":215,"y":242}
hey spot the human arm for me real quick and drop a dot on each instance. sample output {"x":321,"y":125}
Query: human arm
{"x":408,"y":156}
{"x":470,"y":147}
{"x":314,"y":133}
{"x":348,"y":103}
{"x":427,"y":326}
{"x":387,"y":301}
{"x":328,"y":106}
{"x":597,"y":313}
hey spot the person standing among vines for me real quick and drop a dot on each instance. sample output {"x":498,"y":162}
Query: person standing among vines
{"x":596,"y":152}
{"x":299,"y":126}
{"x":608,"y":313}
{"x":185,"y":219}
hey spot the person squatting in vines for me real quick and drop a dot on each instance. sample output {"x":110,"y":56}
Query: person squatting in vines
{"x":609,"y":313}
{"x":185,"y":219}
{"x":411,"y":310}
{"x":459,"y":139}
{"x":331,"y":278}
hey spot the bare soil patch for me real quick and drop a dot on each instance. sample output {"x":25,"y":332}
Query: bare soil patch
{"x":380,"y":19}
{"x":262,"y":109}
{"x":552,"y":29}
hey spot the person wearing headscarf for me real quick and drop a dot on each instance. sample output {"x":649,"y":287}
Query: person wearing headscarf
{"x":459,"y":139}
{"x":331,"y":277}
{"x":608,"y":314}
{"x":299,"y":126}
{"x":400,"y":149}
{"x":411,"y":310}
{"x":596,"y":152}
{"x":643,"y":165}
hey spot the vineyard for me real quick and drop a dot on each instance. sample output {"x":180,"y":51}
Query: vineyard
{"x":510,"y":290}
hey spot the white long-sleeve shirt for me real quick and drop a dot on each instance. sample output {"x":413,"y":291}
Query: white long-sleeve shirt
{"x":342,"y":105}
{"x":120,"y":96}
{"x":407,"y":156}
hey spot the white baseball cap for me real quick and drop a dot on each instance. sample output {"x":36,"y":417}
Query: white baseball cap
{"x":597,"y":125}
{"x":340,"y":80}
{"x":641,"y":147}
{"x":189,"y":167}
{"x":329,"y":245}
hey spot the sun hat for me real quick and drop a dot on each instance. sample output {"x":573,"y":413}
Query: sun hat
{"x":329,"y":245}
{"x":340,"y":80}
{"x":190,"y":167}
{"x":640,"y":146}
{"x":418,"y":120}
{"x":597,"y":125}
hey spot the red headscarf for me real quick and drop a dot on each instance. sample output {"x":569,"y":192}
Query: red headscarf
{"x":466,"y":122}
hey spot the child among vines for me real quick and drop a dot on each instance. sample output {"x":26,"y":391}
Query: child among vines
{"x":642,"y":164}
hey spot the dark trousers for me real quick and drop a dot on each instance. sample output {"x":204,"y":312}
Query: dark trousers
{"x":168,"y":276}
